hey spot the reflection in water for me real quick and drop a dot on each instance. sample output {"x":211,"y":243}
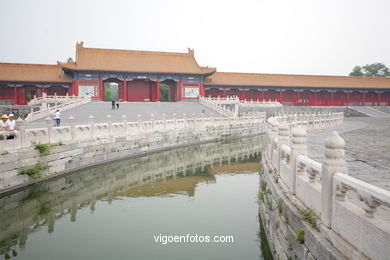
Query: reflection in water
{"x":181,"y":171}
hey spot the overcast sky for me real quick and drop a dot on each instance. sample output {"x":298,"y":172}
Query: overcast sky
{"x":327,"y":37}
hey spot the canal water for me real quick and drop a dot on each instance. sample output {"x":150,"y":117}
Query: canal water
{"x":196,"y":202}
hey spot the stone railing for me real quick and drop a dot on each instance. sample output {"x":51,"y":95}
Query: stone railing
{"x":67,"y":102}
{"x":244,"y":102}
{"x":223,"y":101}
{"x":257,"y":103}
{"x":53,"y":99}
{"x":219,"y":106}
{"x":131,"y":130}
{"x":230,"y":106}
{"x":354,"y":215}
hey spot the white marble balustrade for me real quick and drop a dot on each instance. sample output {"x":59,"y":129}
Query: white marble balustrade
{"x":355,"y":211}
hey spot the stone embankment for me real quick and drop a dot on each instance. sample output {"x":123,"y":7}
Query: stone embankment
{"x":50,"y":151}
{"x":313,"y":210}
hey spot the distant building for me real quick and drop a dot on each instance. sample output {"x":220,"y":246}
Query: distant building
{"x":139,"y":75}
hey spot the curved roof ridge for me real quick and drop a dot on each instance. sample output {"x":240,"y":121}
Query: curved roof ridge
{"x":143,"y":52}
{"x":296,"y":80}
{"x":28,"y":64}
{"x":305,"y":75}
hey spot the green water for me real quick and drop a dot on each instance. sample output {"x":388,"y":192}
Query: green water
{"x":118,"y":210}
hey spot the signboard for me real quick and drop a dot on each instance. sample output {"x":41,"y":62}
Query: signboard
{"x":87,"y":91}
{"x":191,"y":92}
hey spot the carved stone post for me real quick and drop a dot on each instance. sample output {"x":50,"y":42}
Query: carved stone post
{"x":72,"y":128}
{"x":49,"y":125}
{"x":22,"y":132}
{"x":139,"y":123}
{"x":203,"y":120}
{"x":194,"y":120}
{"x":298,"y":147}
{"x":283,"y":132}
{"x":174,"y":120}
{"x":274,"y":136}
{"x":334,"y":162}
{"x":91,"y":121}
{"x":124,"y":122}
{"x":152,"y":120}
{"x":184,"y":120}
{"x":109,"y":124}
{"x":164,"y":118}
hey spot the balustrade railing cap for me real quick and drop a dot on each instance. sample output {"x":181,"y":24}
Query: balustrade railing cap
{"x":283,"y":126}
{"x":298,"y":131}
{"x":334,"y":141}
{"x":274,"y":122}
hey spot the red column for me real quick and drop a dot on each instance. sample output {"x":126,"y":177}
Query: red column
{"x":223,"y":93}
{"x":358,"y":98}
{"x":241,"y":94}
{"x":158,"y":90}
{"x":347,"y":98}
{"x":124,"y":89}
{"x":201,"y":89}
{"x":75,"y":87}
{"x":364,"y":98}
{"x":379,"y":98}
{"x":179,"y":86}
{"x":16,"y":96}
{"x":280,"y":96}
{"x":298,"y":96}
{"x":70,"y":89}
{"x":43,"y":90}
{"x":101,"y":89}
{"x":388,"y":99}
{"x":331,"y":98}
{"x":315,"y":98}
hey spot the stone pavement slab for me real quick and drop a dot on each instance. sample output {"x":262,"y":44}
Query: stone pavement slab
{"x":367,"y":148}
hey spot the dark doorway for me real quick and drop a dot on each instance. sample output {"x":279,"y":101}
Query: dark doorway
{"x":164,"y":92}
{"x":168,"y":91}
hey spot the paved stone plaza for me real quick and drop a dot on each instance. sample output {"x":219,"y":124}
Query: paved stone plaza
{"x":100,"y":110}
{"x":367,"y":148}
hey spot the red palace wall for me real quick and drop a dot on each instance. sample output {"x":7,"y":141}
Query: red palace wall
{"x":306,"y":97}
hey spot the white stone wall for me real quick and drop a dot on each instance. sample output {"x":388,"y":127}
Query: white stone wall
{"x":77,"y":146}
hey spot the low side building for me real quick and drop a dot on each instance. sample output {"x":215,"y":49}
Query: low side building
{"x":301,"y":90}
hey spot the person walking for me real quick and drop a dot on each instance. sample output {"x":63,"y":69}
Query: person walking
{"x":113,"y":104}
{"x":57,"y":118}
{"x":117,"y":104}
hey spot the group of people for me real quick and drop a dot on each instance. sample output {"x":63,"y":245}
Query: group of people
{"x":8,"y":126}
{"x":114,"y":103}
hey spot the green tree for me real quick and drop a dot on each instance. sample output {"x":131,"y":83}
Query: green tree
{"x":357,"y":71}
{"x":164,"y":92}
{"x":371,"y":70}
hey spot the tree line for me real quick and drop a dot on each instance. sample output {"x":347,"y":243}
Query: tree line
{"x":371,"y":70}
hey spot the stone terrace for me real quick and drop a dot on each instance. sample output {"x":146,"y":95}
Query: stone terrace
{"x":100,"y":110}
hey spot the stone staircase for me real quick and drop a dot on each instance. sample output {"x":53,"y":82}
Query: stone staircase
{"x":369,"y":111}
